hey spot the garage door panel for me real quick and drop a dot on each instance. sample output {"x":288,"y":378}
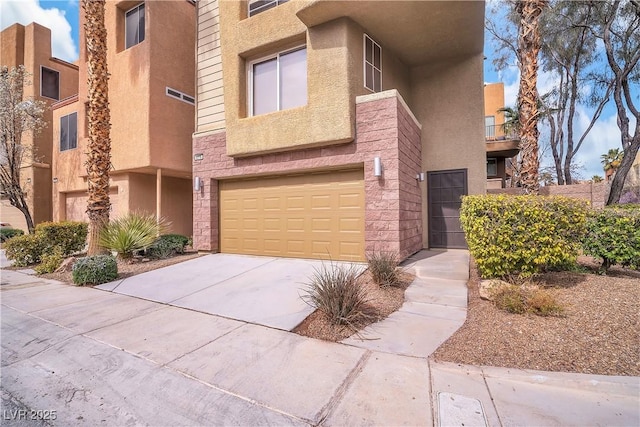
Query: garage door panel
{"x":318,"y":215}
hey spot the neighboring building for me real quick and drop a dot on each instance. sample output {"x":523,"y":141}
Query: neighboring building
{"x":151,"y":98}
{"x":502,"y":143}
{"x":52,"y":79}
{"x":633,"y":177}
{"x":302,"y":104}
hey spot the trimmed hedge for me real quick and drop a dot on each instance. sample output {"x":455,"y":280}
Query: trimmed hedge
{"x":94,"y":270}
{"x":7,"y":233}
{"x":68,"y":236}
{"x":613,"y":235}
{"x":522,"y":235}
{"x":71,"y":236}
{"x":25,"y":250}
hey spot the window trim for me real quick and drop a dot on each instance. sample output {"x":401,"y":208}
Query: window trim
{"x":42,"y":67}
{"x":76,"y":141}
{"x":365,"y":36}
{"x":125,"y":25}
{"x":272,"y":4}
{"x":276,"y":55}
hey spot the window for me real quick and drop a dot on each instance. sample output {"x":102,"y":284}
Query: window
{"x":257,"y":6}
{"x":68,"y":132}
{"x":492,"y":167}
{"x":49,"y":83}
{"x":372,"y":65}
{"x":179,"y":95}
{"x":278,"y":83}
{"x":134,"y":26}
{"x":490,"y":126}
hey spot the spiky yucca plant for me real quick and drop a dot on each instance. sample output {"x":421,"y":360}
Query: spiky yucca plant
{"x":383,"y":267}
{"x":131,"y":233}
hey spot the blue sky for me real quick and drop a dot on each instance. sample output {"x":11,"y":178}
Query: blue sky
{"x":62,"y":17}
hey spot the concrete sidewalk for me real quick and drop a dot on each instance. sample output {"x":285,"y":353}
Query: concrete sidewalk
{"x":96,"y":357}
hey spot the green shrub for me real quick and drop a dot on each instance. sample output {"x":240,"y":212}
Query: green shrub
{"x":383,"y":267}
{"x":25,"y":250}
{"x":50,"y":261}
{"x":70,"y":236}
{"x":95,"y":270}
{"x":7,"y":233}
{"x":168,"y":245}
{"x":613,"y":235}
{"x":335,"y":291}
{"x":131,"y":233}
{"x":527,"y":299}
{"x":522,"y":235}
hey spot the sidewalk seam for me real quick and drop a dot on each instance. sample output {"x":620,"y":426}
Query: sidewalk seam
{"x":493,"y":402}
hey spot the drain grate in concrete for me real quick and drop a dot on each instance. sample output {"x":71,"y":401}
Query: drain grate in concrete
{"x":458,"y":410}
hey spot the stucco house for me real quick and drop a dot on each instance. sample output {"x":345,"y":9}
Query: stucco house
{"x":328,"y":129}
{"x":51,"y":79}
{"x":151,"y":95}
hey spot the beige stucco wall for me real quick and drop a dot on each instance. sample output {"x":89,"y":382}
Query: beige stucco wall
{"x":149,"y":130}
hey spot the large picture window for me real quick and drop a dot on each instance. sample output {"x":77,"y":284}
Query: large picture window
{"x":279,"y":82}
{"x":49,"y":83}
{"x":372,"y":65}
{"x":134,"y":26}
{"x":68,"y":131}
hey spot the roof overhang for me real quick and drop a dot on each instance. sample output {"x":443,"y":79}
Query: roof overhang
{"x":417,"y":31}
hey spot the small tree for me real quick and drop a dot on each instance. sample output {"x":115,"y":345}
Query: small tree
{"x":18,"y":116}
{"x":611,"y":161}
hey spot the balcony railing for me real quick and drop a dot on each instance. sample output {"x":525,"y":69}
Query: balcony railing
{"x":497,"y":133}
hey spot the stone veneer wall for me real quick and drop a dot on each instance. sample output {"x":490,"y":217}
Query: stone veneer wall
{"x":385,"y":128}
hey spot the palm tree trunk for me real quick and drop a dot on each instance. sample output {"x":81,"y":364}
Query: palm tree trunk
{"x":99,"y":149}
{"x":528,"y":48}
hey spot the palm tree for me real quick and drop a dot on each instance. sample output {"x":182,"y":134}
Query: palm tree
{"x":528,"y":48}
{"x":511,"y":125}
{"x":611,"y":161}
{"x":99,"y":149}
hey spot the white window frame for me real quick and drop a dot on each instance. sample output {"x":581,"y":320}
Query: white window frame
{"x":267,"y":58}
{"x":76,"y":141}
{"x":365,"y":63}
{"x":125,"y":25}
{"x":42,"y":67}
{"x":264,"y":7}
{"x":489,"y":130}
{"x":181,"y":96}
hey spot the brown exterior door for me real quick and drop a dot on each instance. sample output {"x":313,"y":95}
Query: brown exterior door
{"x":444,"y":189}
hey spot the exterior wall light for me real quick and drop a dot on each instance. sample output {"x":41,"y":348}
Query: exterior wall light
{"x":420,"y":177}
{"x":198,"y":184}
{"x":377,"y":166}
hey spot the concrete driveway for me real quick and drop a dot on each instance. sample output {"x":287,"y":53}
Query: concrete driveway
{"x":260,"y":290}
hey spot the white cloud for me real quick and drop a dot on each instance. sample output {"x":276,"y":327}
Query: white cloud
{"x":28,"y":11}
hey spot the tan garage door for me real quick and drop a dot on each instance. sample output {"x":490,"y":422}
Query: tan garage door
{"x":317,"y":215}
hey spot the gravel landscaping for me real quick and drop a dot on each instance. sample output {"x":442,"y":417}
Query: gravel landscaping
{"x":598,"y":333}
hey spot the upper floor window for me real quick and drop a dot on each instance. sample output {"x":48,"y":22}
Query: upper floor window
{"x":257,"y":6}
{"x":173,"y":93}
{"x":134,"y":26}
{"x":372,"y":65}
{"x":49,"y":83}
{"x":279,"y":82}
{"x":68,"y":131}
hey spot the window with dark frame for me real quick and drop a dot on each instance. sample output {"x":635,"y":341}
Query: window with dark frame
{"x":492,"y":167}
{"x":134,"y":26}
{"x":49,"y":83}
{"x":68,"y":132}
{"x":258,"y":6}
{"x":279,"y":82}
{"x":372,"y":65}
{"x":173,"y":93}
